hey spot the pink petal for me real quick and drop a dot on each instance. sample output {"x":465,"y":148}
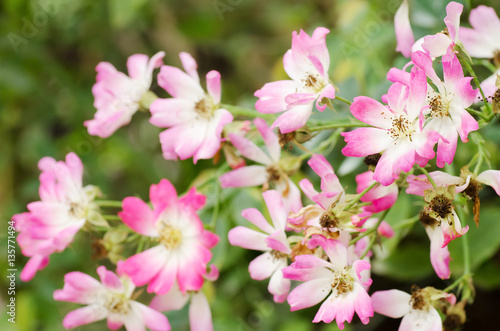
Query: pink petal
{"x":190,"y":65}
{"x":162,"y":194}
{"x":417,"y":320}
{"x":151,"y":317}
{"x":249,"y":150}
{"x":213,"y":85}
{"x":272,"y":96}
{"x":179,"y":85}
{"x":170,"y":112}
{"x":360,"y":266}
{"x":475,"y":42}
{"x":452,"y":70}
{"x":248,"y":239}
{"x":137,"y":65}
{"x":440,"y":256}
{"x":366,"y":141}
{"x":193,"y":199}
{"x":270,"y":139}
{"x":491,"y":178}
{"x":35,"y":263}
{"x":362,"y":304}
{"x":452,"y":19}
{"x":279,"y":286}
{"x":391,"y":303}
{"x":212,"y":140}
{"x":263,"y":266}
{"x":309,"y":293}
{"x":143,"y":267}
{"x":274,"y":203}
{"x":138,"y":216}
{"x":293,"y":119}
{"x":84,"y":315}
{"x":436,"y":45}
{"x":256,"y":217}
{"x":200,"y":316}
{"x":110,"y":279}
{"x":400,"y":157}
{"x":253,"y":175}
{"x":404,"y":33}
{"x":371,"y":112}
{"x":172,"y":300}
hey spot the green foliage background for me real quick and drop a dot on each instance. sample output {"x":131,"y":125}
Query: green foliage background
{"x":49,"y":50}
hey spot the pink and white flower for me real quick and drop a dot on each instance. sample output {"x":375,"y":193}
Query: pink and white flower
{"x":416,"y":309}
{"x":184,"y":245}
{"x":448,"y":104}
{"x":272,"y":171}
{"x":344,"y":285}
{"x":194,"y":118}
{"x":51,"y":224}
{"x":482,"y":40}
{"x":398,"y":129}
{"x":307,"y":64}
{"x":273,"y":243}
{"x":404,"y":33}
{"x":109,"y":298}
{"x":117,"y":96}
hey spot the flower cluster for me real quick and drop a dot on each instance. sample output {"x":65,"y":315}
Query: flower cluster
{"x":318,"y":246}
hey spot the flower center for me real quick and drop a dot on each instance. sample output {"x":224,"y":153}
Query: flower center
{"x":170,"y":236}
{"x":342,"y":282}
{"x":313,"y":83}
{"x":275,"y":174}
{"x":205,"y":107}
{"x":439,"y":107}
{"x":117,"y":304}
{"x":328,"y":220}
{"x":77,"y":210}
{"x":401,"y":128}
{"x":277,"y":255}
{"x":418,"y":301}
{"x":441,"y":205}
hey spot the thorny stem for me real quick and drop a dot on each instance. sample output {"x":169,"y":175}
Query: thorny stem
{"x":424,"y":171}
{"x":236,"y":110}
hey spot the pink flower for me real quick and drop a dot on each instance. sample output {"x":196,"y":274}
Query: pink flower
{"x":272,"y":171}
{"x":342,"y":284}
{"x":482,"y":40}
{"x":273,"y":243}
{"x":404,"y":33}
{"x":381,"y":197}
{"x":447,"y":105}
{"x":307,"y":64}
{"x":109,"y":298}
{"x":194,"y":118}
{"x":117,"y":96}
{"x":438,"y":44}
{"x":184,"y":246}
{"x":51,"y":224}
{"x":416,"y":309}
{"x":398,"y":130}
{"x":440,"y":255}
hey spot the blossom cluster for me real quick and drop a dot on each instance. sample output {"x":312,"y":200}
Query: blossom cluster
{"x":327,"y":246}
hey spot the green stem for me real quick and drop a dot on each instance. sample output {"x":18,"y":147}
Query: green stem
{"x":478,"y":113}
{"x":147,"y":99}
{"x":140,"y":246}
{"x":240,"y":111}
{"x":108,"y":203}
{"x":370,"y":231}
{"x":455,"y":283}
{"x":424,"y":171}
{"x":112,"y":217}
{"x":352,"y":124}
{"x":339,"y":98}
{"x":360,"y":195}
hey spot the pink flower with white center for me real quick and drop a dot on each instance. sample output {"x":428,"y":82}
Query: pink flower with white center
{"x":438,"y":44}
{"x":194,"y":118}
{"x":482,"y":40}
{"x":109,"y":298}
{"x":200,"y":315}
{"x":328,"y":217}
{"x":51,"y":224}
{"x":447,"y":105}
{"x":183,"y":249}
{"x":381,"y":197}
{"x":416,"y":309}
{"x":272,"y":171}
{"x":342,"y":284}
{"x":117,"y":96}
{"x":273,"y":243}
{"x":307,"y":64}
{"x":398,"y":130}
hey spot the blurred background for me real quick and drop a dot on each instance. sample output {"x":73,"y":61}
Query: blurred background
{"x":49,"y":50}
